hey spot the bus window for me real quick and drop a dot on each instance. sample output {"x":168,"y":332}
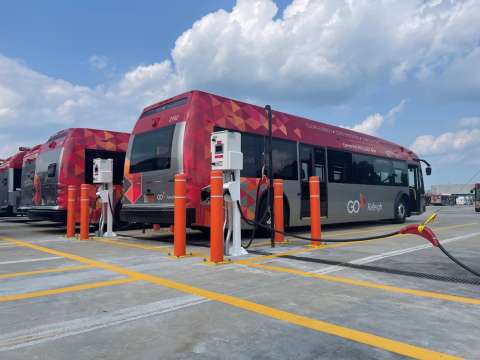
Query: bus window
{"x":339,"y":166}
{"x":363,"y":171}
{"x":52,"y":170}
{"x":412,"y":181}
{"x":384,"y":171}
{"x":400,"y":173}
{"x":284,"y":159}
{"x":152,"y":150}
{"x":164,"y":107}
{"x":252,"y":148}
{"x":17,"y":179}
{"x":319,"y":156}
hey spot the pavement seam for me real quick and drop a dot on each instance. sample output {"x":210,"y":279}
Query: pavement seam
{"x":54,"y":331}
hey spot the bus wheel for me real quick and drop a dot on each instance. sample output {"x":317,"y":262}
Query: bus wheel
{"x":400,"y":211}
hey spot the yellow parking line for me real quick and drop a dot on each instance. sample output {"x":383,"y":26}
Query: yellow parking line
{"x":303,"y":321}
{"x":360,"y":231}
{"x":163,"y":249}
{"x":68,"y":289}
{"x":371,"y":285}
{"x":44,"y":271}
{"x":309,"y":248}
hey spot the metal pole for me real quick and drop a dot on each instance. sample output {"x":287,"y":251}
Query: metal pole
{"x":268,"y":109}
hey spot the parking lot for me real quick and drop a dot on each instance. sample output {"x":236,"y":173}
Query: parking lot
{"x":126,"y":297}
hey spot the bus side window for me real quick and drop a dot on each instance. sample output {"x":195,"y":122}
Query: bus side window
{"x":52,"y":170}
{"x":400,"y":173}
{"x":304,"y":175}
{"x":319,"y":168}
{"x":384,"y":171}
{"x":17,"y":179}
{"x":339,"y":166}
{"x":285,"y":159}
{"x":363,"y":171}
{"x":252,"y":148}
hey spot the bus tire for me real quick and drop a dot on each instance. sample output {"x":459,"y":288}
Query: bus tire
{"x":400,"y":211}
{"x":9,"y":211}
{"x":118,"y":224}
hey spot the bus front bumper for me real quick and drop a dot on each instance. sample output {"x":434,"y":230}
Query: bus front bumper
{"x":161,"y":216}
{"x":50,"y":214}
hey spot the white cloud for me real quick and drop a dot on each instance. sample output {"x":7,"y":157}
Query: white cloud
{"x":393,"y":112}
{"x":374,"y":122}
{"x":328,"y":50}
{"x":98,"y":62}
{"x":370,"y":125}
{"x":446,"y":143}
{"x":470,"y":121}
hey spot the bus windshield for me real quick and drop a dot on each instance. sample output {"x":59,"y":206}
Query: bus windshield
{"x":47,"y":162}
{"x":152,"y":150}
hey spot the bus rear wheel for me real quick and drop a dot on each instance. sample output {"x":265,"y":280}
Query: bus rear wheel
{"x":400,"y":211}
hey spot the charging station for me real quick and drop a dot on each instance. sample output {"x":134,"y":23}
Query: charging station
{"x":103,"y":175}
{"x":227,"y":156}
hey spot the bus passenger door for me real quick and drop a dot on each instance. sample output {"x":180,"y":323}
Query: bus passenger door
{"x":415,"y":186}
{"x":320,"y":170}
{"x":312,"y":163}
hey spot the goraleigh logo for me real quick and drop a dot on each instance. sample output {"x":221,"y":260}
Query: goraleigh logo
{"x":354,"y":206}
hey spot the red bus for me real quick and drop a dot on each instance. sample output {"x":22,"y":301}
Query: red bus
{"x":28,"y":177}
{"x":67,"y":159}
{"x":10,"y":184}
{"x":363,"y":178}
{"x":436,"y":200}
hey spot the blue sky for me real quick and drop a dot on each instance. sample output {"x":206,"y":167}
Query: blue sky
{"x":405,"y":71}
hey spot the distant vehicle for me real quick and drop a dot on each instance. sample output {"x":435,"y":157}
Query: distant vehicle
{"x":67,"y":159}
{"x":461,"y":200}
{"x":442,"y":200}
{"x":436,"y":200}
{"x":363,"y":178}
{"x":10,"y":184}
{"x":28,"y":179}
{"x":477,"y":197}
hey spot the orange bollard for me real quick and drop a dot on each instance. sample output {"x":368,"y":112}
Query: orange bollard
{"x":179,"y":216}
{"x":316,"y":228}
{"x":216,"y":216}
{"x":156,"y":227}
{"x":278,"y":209}
{"x":84,"y":211}
{"x":71,"y":203}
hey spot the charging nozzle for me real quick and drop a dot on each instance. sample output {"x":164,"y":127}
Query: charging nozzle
{"x":423,"y":231}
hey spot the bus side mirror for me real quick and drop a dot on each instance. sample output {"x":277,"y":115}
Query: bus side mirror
{"x":428,"y":171}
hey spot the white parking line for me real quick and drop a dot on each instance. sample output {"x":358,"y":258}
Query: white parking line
{"x":370,"y":259}
{"x":30,"y":260}
{"x":44,"y":333}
